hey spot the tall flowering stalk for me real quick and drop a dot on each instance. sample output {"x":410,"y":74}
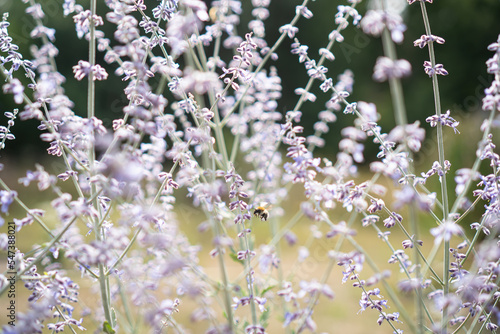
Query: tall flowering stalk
{"x":202,"y":140}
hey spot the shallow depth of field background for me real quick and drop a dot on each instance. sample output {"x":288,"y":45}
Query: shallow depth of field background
{"x":468,"y":28}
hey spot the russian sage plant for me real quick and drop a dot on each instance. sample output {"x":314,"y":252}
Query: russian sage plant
{"x":202,"y":140}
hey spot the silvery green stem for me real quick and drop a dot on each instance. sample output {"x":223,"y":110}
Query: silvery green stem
{"x":103,"y":279}
{"x":444,"y":193}
{"x":401,"y":120}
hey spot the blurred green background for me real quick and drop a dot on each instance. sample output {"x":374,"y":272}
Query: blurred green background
{"x":467,"y":26}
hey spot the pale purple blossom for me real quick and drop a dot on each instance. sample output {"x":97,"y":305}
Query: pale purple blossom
{"x":308,"y":96}
{"x":15,"y":88}
{"x":300,"y":50}
{"x":336,"y":36}
{"x":411,"y":134}
{"x":327,"y":54}
{"x":289,"y":30}
{"x":165,"y":10}
{"x":392,"y":220}
{"x":388,"y":317}
{"x":433,"y":70}
{"x":463,"y":176}
{"x":426,"y":39}
{"x":340,"y":229}
{"x":375,"y":21}
{"x":386,"y":68}
{"x":410,"y":243}
{"x":445,"y":231}
{"x":437,"y":169}
{"x":343,"y":12}
{"x":304,"y":11}
{"x":376,"y":205}
{"x":83,"y":69}
{"x":372,"y":299}
{"x":6,"y":199}
{"x":83,"y":20}
{"x":443,"y":119}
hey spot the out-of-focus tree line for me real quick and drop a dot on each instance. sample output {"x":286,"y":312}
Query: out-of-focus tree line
{"x":467,"y":26}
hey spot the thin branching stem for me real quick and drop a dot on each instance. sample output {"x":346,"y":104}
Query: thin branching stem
{"x":440,"y":146}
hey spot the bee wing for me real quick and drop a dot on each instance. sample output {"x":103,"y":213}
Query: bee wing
{"x":265,"y":205}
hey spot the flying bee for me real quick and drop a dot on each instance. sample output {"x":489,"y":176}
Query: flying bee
{"x":213,"y":13}
{"x":262,"y":212}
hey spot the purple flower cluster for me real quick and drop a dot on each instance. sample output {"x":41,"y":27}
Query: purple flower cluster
{"x":201,"y":144}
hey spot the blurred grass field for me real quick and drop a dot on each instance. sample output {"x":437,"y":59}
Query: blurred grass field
{"x":333,"y":316}
{"x":341,"y":313}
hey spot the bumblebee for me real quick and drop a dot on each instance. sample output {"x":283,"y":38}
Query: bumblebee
{"x":261,"y":212}
{"x":213,"y":14}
